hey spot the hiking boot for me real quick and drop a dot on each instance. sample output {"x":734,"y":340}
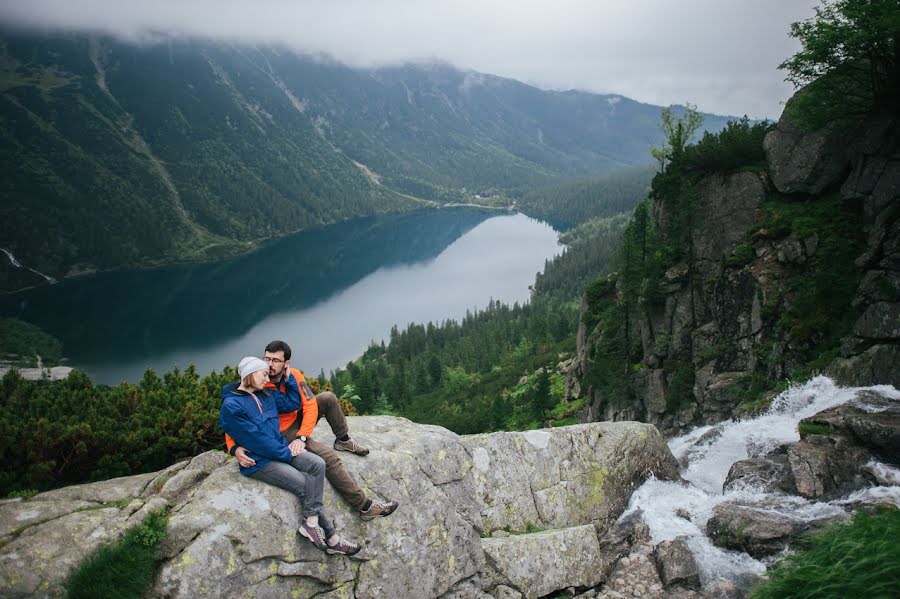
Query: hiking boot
{"x":342,"y":547}
{"x":351,"y":446}
{"x":379,"y":509}
{"x":314,"y":535}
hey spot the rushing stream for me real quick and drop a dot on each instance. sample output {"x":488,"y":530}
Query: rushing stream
{"x":707,"y":454}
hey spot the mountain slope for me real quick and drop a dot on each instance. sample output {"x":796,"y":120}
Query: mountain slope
{"x":122,"y":155}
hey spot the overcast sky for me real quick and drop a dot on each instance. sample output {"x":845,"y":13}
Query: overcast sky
{"x":719,"y":54}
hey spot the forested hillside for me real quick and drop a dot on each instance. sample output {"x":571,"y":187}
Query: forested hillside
{"x":123,"y":155}
{"x":497,"y":368}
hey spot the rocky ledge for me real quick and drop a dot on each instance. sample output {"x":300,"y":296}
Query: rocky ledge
{"x":493,"y":515}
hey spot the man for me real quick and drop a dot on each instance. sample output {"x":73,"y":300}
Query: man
{"x":297,"y":428}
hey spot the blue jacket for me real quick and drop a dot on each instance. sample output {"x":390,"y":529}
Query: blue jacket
{"x":254,"y":429}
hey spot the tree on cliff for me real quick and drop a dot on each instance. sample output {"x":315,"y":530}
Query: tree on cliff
{"x":850,"y":59}
{"x":678,"y":132}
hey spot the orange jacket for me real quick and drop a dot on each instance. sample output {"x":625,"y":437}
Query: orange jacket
{"x":285,"y":420}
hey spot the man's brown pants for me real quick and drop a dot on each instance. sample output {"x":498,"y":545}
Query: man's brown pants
{"x":335,"y":471}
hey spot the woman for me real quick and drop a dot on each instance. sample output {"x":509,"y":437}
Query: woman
{"x":249,"y":414}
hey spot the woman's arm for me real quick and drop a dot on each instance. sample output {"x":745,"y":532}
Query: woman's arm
{"x":247,"y":433}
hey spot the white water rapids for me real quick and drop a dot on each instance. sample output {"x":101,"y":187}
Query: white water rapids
{"x":708,"y":460}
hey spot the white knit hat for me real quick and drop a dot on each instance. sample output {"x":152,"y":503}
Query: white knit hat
{"x":249,"y":365}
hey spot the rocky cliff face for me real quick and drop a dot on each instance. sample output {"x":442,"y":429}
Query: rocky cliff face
{"x":465,"y":503}
{"x":741,"y":311}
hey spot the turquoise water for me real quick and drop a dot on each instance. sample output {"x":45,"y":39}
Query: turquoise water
{"x":329,"y":292}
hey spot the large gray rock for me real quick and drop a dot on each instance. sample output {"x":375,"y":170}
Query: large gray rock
{"x":826,"y":466}
{"x":757,"y":531}
{"x":540,"y":563}
{"x":806,"y":162}
{"x":876,"y":365}
{"x":596,"y":468}
{"x":725,"y":214}
{"x":231,"y":536}
{"x":870,"y":420}
{"x":768,"y":475}
{"x":676,"y":565}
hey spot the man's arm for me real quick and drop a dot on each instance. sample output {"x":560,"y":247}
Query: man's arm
{"x":308,"y":406}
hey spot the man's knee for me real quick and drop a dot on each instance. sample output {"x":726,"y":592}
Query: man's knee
{"x":326,"y":399}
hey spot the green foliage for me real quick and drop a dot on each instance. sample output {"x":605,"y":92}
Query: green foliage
{"x":681,"y":384}
{"x":741,"y":256}
{"x":738,"y":146}
{"x":124,"y":569}
{"x":220,"y":146}
{"x":857,"y":559}
{"x":56,"y":433}
{"x":23,"y":493}
{"x":22,"y":342}
{"x":465,"y":375}
{"x":678,"y":131}
{"x":819,"y":311}
{"x":592,"y":249}
{"x":603,"y":196}
{"x":810,"y":428}
{"x":849,"y":60}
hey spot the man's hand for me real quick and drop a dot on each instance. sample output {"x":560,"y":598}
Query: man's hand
{"x":243,"y":459}
{"x":297,"y":447}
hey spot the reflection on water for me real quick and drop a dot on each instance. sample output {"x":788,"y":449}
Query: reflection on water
{"x":327,"y":291}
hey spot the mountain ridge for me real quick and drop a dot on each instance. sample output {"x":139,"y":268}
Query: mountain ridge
{"x":217,"y":146}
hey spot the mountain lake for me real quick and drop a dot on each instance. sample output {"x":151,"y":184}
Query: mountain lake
{"x":329,"y":292}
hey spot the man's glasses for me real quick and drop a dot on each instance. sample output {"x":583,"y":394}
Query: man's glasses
{"x":275,"y":361}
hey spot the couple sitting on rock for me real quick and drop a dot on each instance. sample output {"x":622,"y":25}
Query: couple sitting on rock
{"x":268,"y":418}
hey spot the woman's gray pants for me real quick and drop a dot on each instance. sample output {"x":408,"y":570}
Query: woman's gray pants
{"x":304,"y":476}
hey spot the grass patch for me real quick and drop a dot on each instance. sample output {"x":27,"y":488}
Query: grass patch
{"x":121,"y":570}
{"x":810,"y":428}
{"x":23,"y":493}
{"x":859,"y":559}
{"x":741,"y":256}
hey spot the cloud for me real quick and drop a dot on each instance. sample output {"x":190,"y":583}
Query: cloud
{"x":720,"y":54}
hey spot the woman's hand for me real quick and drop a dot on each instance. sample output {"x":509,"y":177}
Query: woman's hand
{"x":243,"y":459}
{"x":297,"y":447}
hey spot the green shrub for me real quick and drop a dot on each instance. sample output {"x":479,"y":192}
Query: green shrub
{"x":121,"y":570}
{"x":858,"y":559}
{"x":741,"y":256}
{"x":681,"y":386}
{"x":739,"y":145}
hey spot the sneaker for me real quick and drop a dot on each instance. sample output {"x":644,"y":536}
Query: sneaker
{"x":342,"y":547}
{"x":379,"y":509}
{"x":351,"y":446}
{"x":314,"y":535}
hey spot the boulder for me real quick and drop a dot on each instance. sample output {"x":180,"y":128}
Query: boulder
{"x":229,"y":535}
{"x":826,"y":466}
{"x":596,"y":469}
{"x":676,"y":565}
{"x":767,"y":475}
{"x":804,"y":162}
{"x":870,"y":420}
{"x":756,"y":531}
{"x":540,"y":563}
{"x":876,"y":365}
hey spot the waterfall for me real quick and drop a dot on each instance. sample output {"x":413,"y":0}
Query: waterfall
{"x":673,"y":509}
{"x":17,"y":264}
